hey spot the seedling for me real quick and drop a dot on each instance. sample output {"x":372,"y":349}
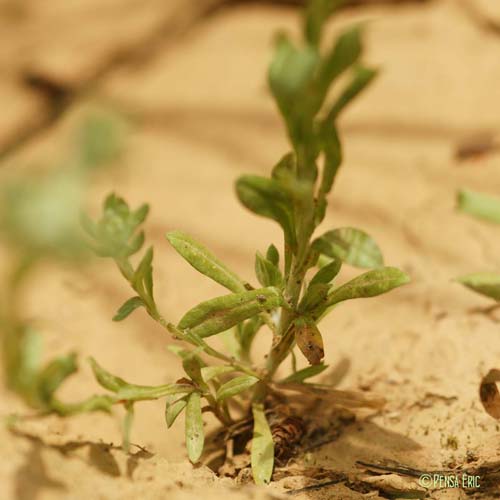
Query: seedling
{"x":484,"y":207}
{"x":294,"y":288}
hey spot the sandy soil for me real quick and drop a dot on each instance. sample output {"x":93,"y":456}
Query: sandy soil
{"x":203,"y":118}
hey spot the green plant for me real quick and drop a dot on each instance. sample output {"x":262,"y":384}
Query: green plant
{"x":285,"y":301}
{"x":40,"y":221}
{"x":487,"y":208}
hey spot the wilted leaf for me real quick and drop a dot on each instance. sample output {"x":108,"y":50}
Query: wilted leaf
{"x":127,"y":308}
{"x":235,"y":386}
{"x":305,"y":373}
{"x":204,"y":261}
{"x":480,"y":205}
{"x":195,"y":436}
{"x":350,"y":245}
{"x":488,"y":391}
{"x":369,"y":284}
{"x":309,"y":340}
{"x":484,"y":283}
{"x":220,"y":314}
{"x":262,"y":456}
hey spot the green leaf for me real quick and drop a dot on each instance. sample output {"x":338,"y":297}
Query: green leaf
{"x":344,"y":54}
{"x":127,"y":308}
{"x":247,"y":333}
{"x":352,"y":246}
{"x":316,"y":15}
{"x":267,"y":273}
{"x":173,"y":409}
{"x":332,"y":148}
{"x":487,"y":284}
{"x":305,"y":373}
{"x":210,"y":372}
{"x":361,"y":79}
{"x":273,"y":255}
{"x":267,"y":198}
{"x":219,"y":314}
{"x":192,"y":366}
{"x":262,"y":455}
{"x":204,"y":261}
{"x":290,"y":71}
{"x":127,"y":426}
{"x":114,"y":233}
{"x":132,"y":392}
{"x":235,"y":386}
{"x":315,"y":296}
{"x":327,"y":273}
{"x":369,"y":284}
{"x":105,"y":379}
{"x":143,"y":276}
{"x":195,"y":436}
{"x":53,"y":375}
{"x":479,"y":205}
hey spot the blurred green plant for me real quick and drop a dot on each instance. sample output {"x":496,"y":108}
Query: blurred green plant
{"x":484,"y":207}
{"x":40,"y":220}
{"x":295,"y":196}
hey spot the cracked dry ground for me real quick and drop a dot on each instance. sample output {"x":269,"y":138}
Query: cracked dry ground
{"x":192,"y":76}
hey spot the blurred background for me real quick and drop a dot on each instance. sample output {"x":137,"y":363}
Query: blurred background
{"x":179,"y":87}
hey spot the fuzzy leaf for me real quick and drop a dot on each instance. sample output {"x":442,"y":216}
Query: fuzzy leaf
{"x":487,"y":284}
{"x":479,"y":205}
{"x":195,"y":436}
{"x":369,"y":284}
{"x":262,"y":455}
{"x":267,"y":273}
{"x":219,"y":314}
{"x":143,"y":276}
{"x":127,"y":308}
{"x":305,"y":373}
{"x":173,"y":409}
{"x":235,"y":386}
{"x":204,"y":261}
{"x":352,"y":246}
{"x":267,"y":198}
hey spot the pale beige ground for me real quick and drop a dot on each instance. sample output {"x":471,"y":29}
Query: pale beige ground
{"x":204,"y":118}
